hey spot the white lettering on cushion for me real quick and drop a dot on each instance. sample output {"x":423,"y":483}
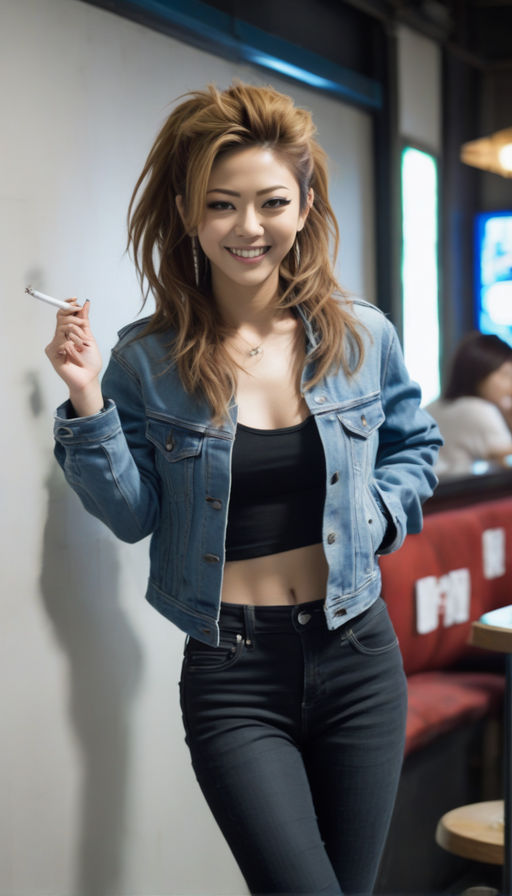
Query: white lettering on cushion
{"x":448,"y":596}
{"x":493,"y":553}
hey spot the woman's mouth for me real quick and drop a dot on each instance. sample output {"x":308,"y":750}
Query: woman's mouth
{"x":255,"y":252}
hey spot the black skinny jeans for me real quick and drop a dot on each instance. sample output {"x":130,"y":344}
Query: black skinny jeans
{"x":296,"y":736}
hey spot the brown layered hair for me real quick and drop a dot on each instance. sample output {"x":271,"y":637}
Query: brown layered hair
{"x":204,"y":126}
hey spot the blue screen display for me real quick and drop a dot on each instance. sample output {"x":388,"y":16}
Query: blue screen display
{"x":493,"y":274}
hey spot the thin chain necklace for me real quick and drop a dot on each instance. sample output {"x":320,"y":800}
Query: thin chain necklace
{"x":254,"y":350}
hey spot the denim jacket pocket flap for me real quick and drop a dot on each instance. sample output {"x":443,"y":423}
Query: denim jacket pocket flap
{"x":174,"y":443}
{"x":364,"y":418}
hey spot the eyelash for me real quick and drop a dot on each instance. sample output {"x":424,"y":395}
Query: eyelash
{"x":221,"y":205}
{"x":279,"y":201}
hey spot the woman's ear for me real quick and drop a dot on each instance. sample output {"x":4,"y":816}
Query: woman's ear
{"x":309,"y":203}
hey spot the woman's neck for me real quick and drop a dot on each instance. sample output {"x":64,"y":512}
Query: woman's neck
{"x":254,"y":307}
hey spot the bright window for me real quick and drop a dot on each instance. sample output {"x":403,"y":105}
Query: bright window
{"x":420,"y":269}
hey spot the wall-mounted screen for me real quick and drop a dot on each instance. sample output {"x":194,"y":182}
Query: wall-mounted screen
{"x":493,"y":274}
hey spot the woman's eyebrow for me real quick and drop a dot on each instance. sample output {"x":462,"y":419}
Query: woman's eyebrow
{"x":258,"y":192}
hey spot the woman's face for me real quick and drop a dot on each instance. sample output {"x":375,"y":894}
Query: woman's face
{"x":497,"y":387}
{"x":250,"y":221}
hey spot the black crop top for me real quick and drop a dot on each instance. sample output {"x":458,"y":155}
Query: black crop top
{"x":277,"y":490}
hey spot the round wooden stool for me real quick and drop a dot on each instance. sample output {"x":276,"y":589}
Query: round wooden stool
{"x":474,"y":832}
{"x":483,"y":831}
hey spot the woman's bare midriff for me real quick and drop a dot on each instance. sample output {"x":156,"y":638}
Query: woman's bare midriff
{"x":291,"y":577}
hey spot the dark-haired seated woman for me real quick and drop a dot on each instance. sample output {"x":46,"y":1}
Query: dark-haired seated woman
{"x":475,"y":412}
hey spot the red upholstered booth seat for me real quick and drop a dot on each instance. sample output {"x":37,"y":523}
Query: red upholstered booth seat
{"x":438,"y":701}
{"x":456,"y":569}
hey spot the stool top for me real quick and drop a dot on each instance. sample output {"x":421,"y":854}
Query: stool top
{"x":474,"y":832}
{"x":493,"y":630}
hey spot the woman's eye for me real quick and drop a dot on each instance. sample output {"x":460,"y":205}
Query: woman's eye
{"x":219,"y":205}
{"x":278,"y":202}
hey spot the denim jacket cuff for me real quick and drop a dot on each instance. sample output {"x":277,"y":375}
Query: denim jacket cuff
{"x":69,"y":429}
{"x":393,"y":536}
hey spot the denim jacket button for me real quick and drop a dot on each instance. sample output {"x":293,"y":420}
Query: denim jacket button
{"x":331,"y":538}
{"x":334,"y":478}
{"x":364,"y":421}
{"x":320,"y":399}
{"x":169,"y":442}
{"x":340,"y":613}
{"x":211,"y":558}
{"x":216,"y":503}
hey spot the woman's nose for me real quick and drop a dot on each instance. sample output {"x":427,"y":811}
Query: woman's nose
{"x":248,"y":222}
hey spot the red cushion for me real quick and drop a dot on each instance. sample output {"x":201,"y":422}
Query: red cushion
{"x":439,"y":701}
{"x":450,"y":540}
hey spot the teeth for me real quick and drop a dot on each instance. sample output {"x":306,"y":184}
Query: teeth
{"x":249,"y":253}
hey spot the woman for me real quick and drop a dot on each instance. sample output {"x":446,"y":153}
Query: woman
{"x":264,"y":431}
{"x":475,"y":412}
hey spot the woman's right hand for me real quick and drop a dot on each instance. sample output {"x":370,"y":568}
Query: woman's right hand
{"x":76,"y":358}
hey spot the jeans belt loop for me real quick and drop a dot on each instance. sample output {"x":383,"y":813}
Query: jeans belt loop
{"x":249,"y":625}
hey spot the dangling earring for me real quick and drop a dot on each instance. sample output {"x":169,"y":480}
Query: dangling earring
{"x":195,"y":257}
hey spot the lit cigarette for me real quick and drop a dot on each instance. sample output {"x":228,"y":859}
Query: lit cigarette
{"x":66,"y":306}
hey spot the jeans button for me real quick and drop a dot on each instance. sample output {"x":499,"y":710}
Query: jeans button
{"x":304,"y":618}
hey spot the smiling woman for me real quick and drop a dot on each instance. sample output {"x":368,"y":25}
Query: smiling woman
{"x":263,"y":430}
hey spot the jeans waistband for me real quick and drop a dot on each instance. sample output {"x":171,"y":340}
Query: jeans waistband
{"x":259,"y":620}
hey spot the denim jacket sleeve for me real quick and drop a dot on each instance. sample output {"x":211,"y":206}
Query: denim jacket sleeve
{"x":107,"y":459}
{"x":409,"y":441}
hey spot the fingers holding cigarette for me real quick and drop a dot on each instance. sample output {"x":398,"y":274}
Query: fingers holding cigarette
{"x":73,"y":351}
{"x":73,"y":329}
{"x":69,"y":337}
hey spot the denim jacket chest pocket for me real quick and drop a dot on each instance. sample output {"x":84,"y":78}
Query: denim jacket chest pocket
{"x":176,"y":455}
{"x":360,"y":423}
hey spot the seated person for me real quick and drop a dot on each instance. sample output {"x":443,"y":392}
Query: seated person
{"x":475,"y":411}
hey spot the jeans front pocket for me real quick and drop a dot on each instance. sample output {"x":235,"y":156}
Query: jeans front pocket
{"x":200,"y":657}
{"x":372,"y":633}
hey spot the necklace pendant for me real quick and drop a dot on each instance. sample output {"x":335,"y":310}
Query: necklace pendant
{"x":257,"y":350}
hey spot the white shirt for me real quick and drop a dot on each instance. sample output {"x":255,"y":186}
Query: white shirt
{"x":473,"y":429}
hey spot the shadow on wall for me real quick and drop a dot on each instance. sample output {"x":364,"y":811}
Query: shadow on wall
{"x":80,"y":591}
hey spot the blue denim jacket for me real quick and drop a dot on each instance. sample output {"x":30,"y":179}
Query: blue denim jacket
{"x":153,"y":463}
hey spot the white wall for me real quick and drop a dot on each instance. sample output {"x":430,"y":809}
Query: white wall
{"x":96,"y":792}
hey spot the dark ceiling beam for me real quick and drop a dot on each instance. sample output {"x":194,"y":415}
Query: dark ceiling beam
{"x":217,"y":32}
